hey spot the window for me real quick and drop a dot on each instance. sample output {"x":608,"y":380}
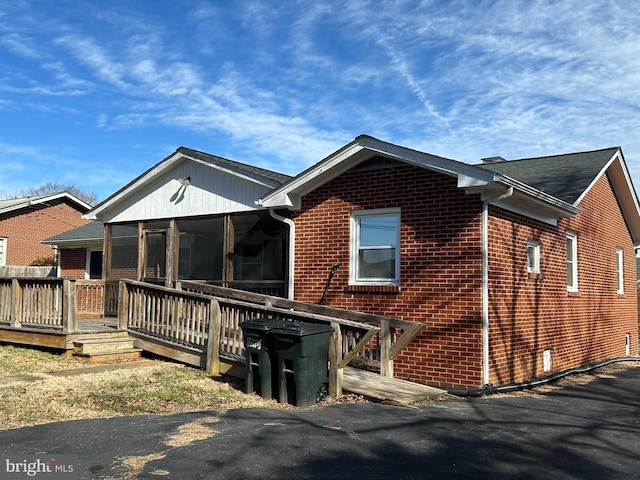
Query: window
{"x":375,"y":252}
{"x":572,"y":262}
{"x":3,"y":252}
{"x":533,"y":257}
{"x":619,"y":271}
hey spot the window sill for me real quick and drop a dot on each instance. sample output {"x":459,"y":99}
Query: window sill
{"x":573,"y":294}
{"x":536,"y":276}
{"x":387,"y":289}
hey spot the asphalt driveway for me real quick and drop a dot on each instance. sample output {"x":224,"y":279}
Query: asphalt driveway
{"x":580,"y":432}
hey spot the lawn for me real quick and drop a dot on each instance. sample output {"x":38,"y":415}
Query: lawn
{"x":39,"y":387}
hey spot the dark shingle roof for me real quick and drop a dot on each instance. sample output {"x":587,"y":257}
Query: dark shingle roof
{"x":564,"y":176}
{"x":90,"y":231}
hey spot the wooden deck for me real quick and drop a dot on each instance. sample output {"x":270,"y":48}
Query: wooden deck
{"x":199,"y":325}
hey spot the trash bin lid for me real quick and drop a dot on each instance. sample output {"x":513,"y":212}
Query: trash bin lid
{"x":263,"y":324}
{"x":301,"y":329}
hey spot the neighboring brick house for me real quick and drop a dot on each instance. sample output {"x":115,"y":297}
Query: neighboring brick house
{"x":26,"y":222}
{"x":518,"y":269}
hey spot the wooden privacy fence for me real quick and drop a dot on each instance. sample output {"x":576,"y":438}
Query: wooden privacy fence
{"x":38,"y":303}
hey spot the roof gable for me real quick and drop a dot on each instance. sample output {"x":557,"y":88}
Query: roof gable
{"x":188,"y":183}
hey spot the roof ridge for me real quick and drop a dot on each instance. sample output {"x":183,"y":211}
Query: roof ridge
{"x":184,"y":149}
{"x":563,"y":154}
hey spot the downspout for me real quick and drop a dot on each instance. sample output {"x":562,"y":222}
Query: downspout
{"x":485,"y":281}
{"x":292,"y":249}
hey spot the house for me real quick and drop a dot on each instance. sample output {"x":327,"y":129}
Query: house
{"x":25,"y":222}
{"x":519,"y":269}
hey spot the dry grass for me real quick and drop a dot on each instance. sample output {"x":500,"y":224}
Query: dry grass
{"x":39,"y":387}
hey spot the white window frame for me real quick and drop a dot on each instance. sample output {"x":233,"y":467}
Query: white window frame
{"x":533,"y":257}
{"x":3,"y":251}
{"x":356,"y":217}
{"x":619,"y":271}
{"x":572,"y":261}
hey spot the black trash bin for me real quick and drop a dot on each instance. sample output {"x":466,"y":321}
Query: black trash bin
{"x":260,"y":356}
{"x":302,"y":351}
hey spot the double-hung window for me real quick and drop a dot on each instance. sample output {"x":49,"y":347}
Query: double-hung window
{"x":619,"y":272}
{"x":375,"y":247}
{"x":572,"y":262}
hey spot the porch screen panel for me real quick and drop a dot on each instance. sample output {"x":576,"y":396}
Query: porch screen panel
{"x":124,"y":248}
{"x":201,"y":249}
{"x":259,"y":244}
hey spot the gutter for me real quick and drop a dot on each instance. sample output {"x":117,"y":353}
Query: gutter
{"x":292,"y":249}
{"x":516,"y":387}
{"x":485,"y":281}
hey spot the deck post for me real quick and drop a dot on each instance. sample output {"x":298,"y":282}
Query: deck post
{"x":212,"y":366}
{"x":386,"y":361}
{"x":123,"y":305}
{"x":16,"y":303}
{"x":336,"y":372}
{"x":69,"y":321}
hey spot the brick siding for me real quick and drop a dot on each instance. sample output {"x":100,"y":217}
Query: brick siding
{"x":440,"y":265}
{"x":441,"y":276}
{"x":580,"y":328}
{"x":73,"y":262}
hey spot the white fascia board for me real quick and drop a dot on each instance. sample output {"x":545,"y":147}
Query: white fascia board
{"x":626,"y":195}
{"x":291,"y":192}
{"x":546,"y":201}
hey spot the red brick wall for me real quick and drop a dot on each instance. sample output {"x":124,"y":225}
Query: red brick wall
{"x":440,"y":265}
{"x":73,"y":263}
{"x":441,"y":277}
{"x":579,"y":328}
{"x":26,"y":228}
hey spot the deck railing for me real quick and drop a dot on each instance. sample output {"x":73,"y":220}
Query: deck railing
{"x":210,"y":322}
{"x":38,"y":303}
{"x":366,"y":340}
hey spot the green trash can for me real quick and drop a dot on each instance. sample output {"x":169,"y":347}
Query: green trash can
{"x":302,"y":351}
{"x":260,"y":356}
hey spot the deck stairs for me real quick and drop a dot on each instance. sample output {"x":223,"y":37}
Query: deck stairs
{"x":115,"y":348}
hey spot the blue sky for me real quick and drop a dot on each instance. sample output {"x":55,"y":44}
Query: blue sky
{"x":93,"y":93}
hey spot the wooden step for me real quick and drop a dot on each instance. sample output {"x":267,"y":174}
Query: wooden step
{"x":388,"y":389}
{"x":105,"y":350}
{"x":120,"y":356}
{"x":102,"y":346}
